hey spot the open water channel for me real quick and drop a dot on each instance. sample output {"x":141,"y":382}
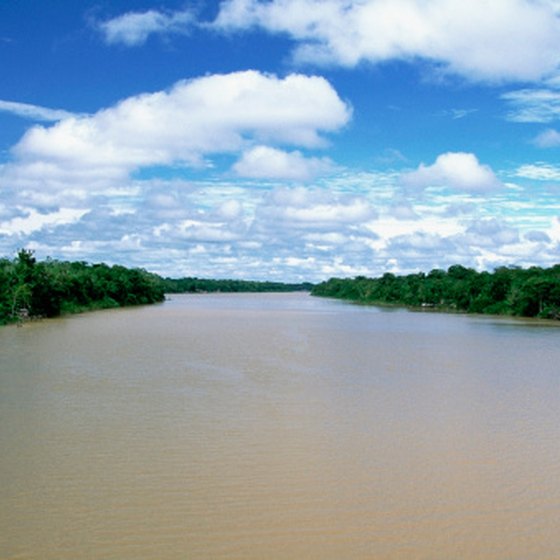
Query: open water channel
{"x":279,"y":427}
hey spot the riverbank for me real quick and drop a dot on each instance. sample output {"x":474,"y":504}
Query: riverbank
{"x":517,"y":292}
{"x":30,"y":289}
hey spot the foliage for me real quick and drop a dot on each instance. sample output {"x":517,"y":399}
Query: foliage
{"x":201,"y":285}
{"x":50,"y":288}
{"x":533,"y":292}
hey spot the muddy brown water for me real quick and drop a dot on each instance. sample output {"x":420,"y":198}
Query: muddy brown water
{"x":279,"y":427}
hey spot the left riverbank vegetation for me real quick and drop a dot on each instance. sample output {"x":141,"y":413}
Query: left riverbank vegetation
{"x":29,"y":288}
{"x":530,"y":292}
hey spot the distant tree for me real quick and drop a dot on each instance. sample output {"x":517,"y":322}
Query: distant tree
{"x":508,"y":290}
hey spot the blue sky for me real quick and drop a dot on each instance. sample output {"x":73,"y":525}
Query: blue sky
{"x":284,"y":140}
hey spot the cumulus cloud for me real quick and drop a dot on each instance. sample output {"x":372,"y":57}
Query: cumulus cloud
{"x":264,"y":162}
{"x":456,"y":170}
{"x":194,"y":119}
{"x":34,"y":112}
{"x":419,"y":242}
{"x":208,"y":232}
{"x":230,"y":209}
{"x":537,"y":236}
{"x":480,"y":40}
{"x":491,"y":232}
{"x":403,"y":210}
{"x":134,"y":28}
{"x":36,"y":221}
{"x":549,"y":138}
{"x":302,"y":208}
{"x":214,"y":227}
{"x":437,"y":241}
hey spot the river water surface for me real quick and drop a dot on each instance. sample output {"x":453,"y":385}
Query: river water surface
{"x":279,"y":427}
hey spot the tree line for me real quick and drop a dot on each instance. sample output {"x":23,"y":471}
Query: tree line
{"x":531,"y":292}
{"x":29,"y":288}
{"x":205,"y":285}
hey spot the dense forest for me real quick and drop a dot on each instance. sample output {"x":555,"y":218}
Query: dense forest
{"x":29,"y":288}
{"x":196,"y":285}
{"x":532,"y":292}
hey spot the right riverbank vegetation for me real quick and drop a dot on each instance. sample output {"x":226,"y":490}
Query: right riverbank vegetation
{"x":531,"y":292}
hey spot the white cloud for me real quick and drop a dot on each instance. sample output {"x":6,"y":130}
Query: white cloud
{"x":195,"y":119}
{"x":429,"y":224}
{"x":549,"y":138}
{"x":537,"y":237}
{"x":304,"y":208}
{"x":134,"y":28}
{"x":418,"y":242}
{"x":200,"y":230}
{"x":480,"y":40}
{"x":461,"y":113}
{"x":490,"y":232}
{"x":438,"y":242}
{"x":456,"y":170}
{"x":403,"y":210}
{"x":533,"y":105}
{"x":34,"y":112}
{"x":352,"y":212}
{"x":263,"y":162}
{"x":35,"y":221}
{"x":230,"y":209}
{"x":218,"y":228}
{"x":539,"y":172}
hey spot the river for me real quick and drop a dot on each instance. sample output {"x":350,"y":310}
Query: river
{"x":279,"y":426}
